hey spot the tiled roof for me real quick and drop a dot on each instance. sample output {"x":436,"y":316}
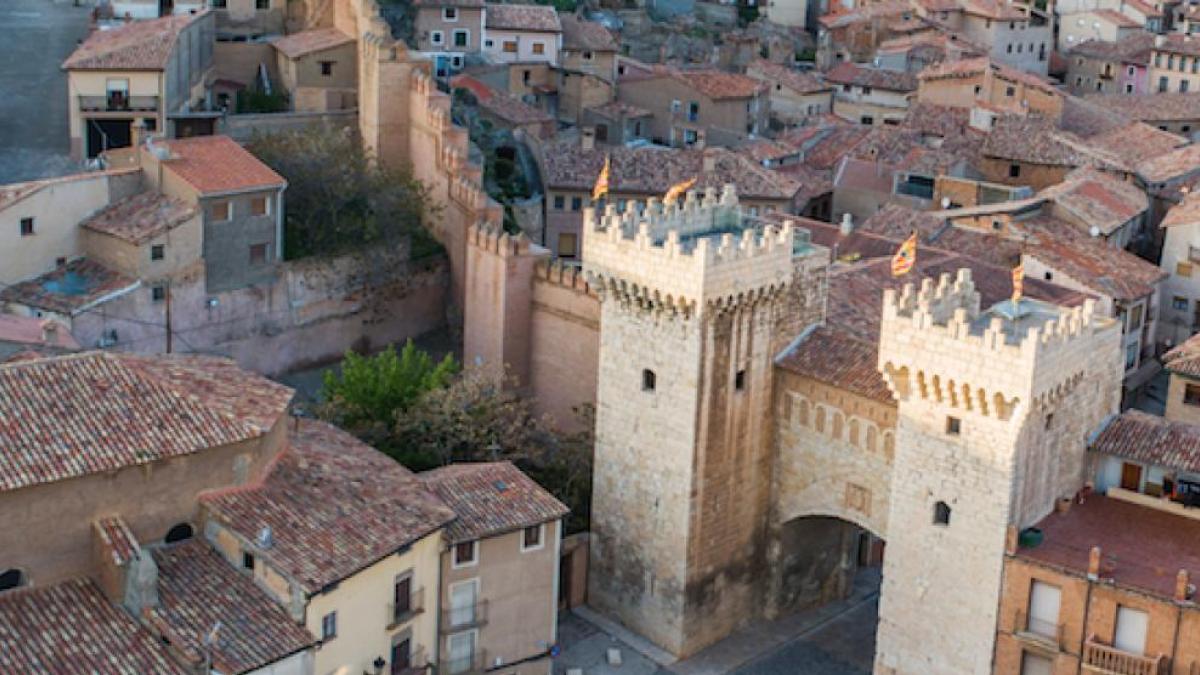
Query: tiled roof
{"x":1165,"y":107}
{"x":1146,"y":8}
{"x":306,"y":42}
{"x":217,"y":164}
{"x":491,"y":498}
{"x":141,"y":217}
{"x":475,"y":4}
{"x":1151,"y":439}
{"x":137,"y":45}
{"x":1099,"y":199}
{"x":1184,"y":359}
{"x":1143,"y":547}
{"x":117,"y":539}
{"x":1178,"y":43}
{"x":71,"y":628}
{"x":765,"y":150}
{"x":865,"y":13}
{"x":1117,"y":18}
{"x":799,"y":81}
{"x":908,"y":149}
{"x":69,"y":289}
{"x":95,"y":412}
{"x":717,"y":84}
{"x":840,"y":359}
{"x":1180,"y":162}
{"x":1186,"y":212}
{"x":513,"y":110}
{"x":999,"y":10}
{"x":581,"y":35}
{"x":977,"y":66}
{"x":615,"y":110}
{"x":879,"y":78}
{"x":197,"y":588}
{"x":334,"y":505}
{"x":1085,"y":119}
{"x":534,"y":18}
{"x":31,"y":331}
{"x":14,"y":192}
{"x":1133,"y":48}
{"x":1037,"y":140}
{"x":1136,"y":142}
{"x":825,"y":148}
{"x":1088,"y":260}
{"x":652,"y":171}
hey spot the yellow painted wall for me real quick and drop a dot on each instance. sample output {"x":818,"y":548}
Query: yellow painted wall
{"x":95,"y":83}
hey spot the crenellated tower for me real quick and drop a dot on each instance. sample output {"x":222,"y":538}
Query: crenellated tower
{"x":696,"y":301}
{"x":994,"y":409}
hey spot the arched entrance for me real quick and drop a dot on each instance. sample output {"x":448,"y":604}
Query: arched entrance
{"x":821,"y":559}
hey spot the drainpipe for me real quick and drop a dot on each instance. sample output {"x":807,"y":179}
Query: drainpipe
{"x":279,"y":225}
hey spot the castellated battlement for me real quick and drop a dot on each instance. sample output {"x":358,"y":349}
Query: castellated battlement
{"x":498,"y":242}
{"x":683,"y":257}
{"x":566,"y":275}
{"x":936,"y":344}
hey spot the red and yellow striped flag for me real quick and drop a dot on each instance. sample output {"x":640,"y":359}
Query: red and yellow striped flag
{"x":1018,"y":281}
{"x":676,"y":191}
{"x":601,"y":187}
{"x":906,"y":256}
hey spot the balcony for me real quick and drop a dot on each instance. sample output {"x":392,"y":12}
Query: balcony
{"x":398,"y":614}
{"x":473,"y":664}
{"x":1043,"y":633}
{"x":117,"y":103}
{"x":462,"y":618}
{"x":1106,"y":660}
{"x":1194,"y":253}
{"x":418,"y":664}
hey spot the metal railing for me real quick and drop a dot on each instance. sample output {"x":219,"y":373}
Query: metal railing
{"x":1108,"y":660}
{"x":461,"y":618}
{"x":473,"y":664}
{"x":1039,"y":630}
{"x":1194,"y":253}
{"x":118,"y":103}
{"x":417,"y":663}
{"x":398,"y":614}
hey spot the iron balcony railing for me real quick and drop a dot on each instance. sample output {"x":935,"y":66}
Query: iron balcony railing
{"x":1039,"y":630}
{"x":472,"y":664}
{"x":118,"y":103}
{"x":398,"y":613}
{"x":462,"y":618}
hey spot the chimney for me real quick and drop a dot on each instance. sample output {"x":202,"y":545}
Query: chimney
{"x":709,"y":163}
{"x":587,"y":138}
{"x":141,"y":584}
{"x":137,"y":134}
{"x":847,"y":223}
{"x":1160,"y":40}
{"x":701,"y":139}
{"x":1183,"y":587}
{"x":1011,"y":536}
{"x":1093,"y":572}
{"x":50,"y":332}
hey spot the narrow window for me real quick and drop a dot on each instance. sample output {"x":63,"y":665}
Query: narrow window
{"x":248,"y":560}
{"x":568,"y":244}
{"x":532,"y":537}
{"x":402,"y":597}
{"x":1191,"y":394}
{"x":461,"y":38}
{"x":560,"y":202}
{"x":576,"y":203}
{"x":941,"y":513}
{"x":539,"y":48}
{"x":739,"y":380}
{"x":649,"y":380}
{"x":26,"y":227}
{"x":953,"y":426}
{"x":258,"y":254}
{"x":436,"y":37}
{"x":329,"y":626}
{"x":158,"y":293}
{"x":219,"y":211}
{"x":464,"y":553}
{"x":327,"y":68}
{"x":157,"y":251}
{"x":180,"y":532}
{"x":60,"y":262}
{"x":259,"y":206}
{"x":1014,"y":170}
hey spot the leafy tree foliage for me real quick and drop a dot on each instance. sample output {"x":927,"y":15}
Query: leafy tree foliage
{"x":338,"y":199}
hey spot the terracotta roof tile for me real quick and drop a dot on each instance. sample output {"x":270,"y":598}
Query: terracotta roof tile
{"x":94,"y":412}
{"x":141,"y":217}
{"x":138,"y":45}
{"x":1184,"y":359}
{"x":31,"y":331}
{"x":197,"y":588}
{"x":879,"y":78}
{"x":1133,"y":48}
{"x":1038,"y":140}
{"x":1099,"y":199}
{"x":1151,"y":439}
{"x":534,"y":18}
{"x":1178,"y":43}
{"x":217,"y":164}
{"x":581,"y":35}
{"x":1183,"y":161}
{"x":299,"y":44}
{"x":1184,"y":213}
{"x":69,"y":289}
{"x":1136,"y":142}
{"x":71,"y":628}
{"x":513,"y":110}
{"x":1143,"y":548}
{"x":491,"y":498}
{"x":334,"y":506}
{"x":1165,"y":107}
{"x":1091,"y":262}
{"x":838,"y":358}
{"x":865,"y":13}
{"x":117,"y":539}
{"x":717,"y":84}
{"x":796,"y":80}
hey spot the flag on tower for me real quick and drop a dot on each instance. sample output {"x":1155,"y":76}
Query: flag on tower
{"x":905,"y":257}
{"x":1018,"y":281}
{"x":601,"y":187}
{"x":676,"y":191}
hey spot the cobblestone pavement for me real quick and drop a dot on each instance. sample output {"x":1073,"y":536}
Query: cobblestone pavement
{"x":34,"y":138}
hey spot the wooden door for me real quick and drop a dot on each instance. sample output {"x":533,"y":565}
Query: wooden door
{"x":1131,"y":477}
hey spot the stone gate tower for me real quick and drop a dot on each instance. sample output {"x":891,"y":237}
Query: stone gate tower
{"x":695,"y":304}
{"x":994,"y":409}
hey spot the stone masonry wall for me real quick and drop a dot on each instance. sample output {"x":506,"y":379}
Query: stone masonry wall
{"x":564,"y":343}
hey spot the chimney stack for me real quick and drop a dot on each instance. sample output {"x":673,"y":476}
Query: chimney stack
{"x":1183,"y":587}
{"x":1093,"y":572}
{"x":709,"y":164}
{"x":1011,"y":536}
{"x":847,"y":223}
{"x":50,"y":332}
{"x":587,"y":138}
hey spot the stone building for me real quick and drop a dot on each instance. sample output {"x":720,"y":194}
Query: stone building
{"x":870,"y":96}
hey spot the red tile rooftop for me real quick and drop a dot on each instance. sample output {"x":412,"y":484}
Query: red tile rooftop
{"x":70,"y":289}
{"x":217,"y":165}
{"x":533,"y":18}
{"x":306,"y":42}
{"x":1142,"y":548}
{"x":117,"y":539}
{"x":138,"y":45}
{"x":491,"y":499}
{"x":1151,"y":439}
{"x":141,"y":217}
{"x":33,"y":331}
{"x":1184,"y":359}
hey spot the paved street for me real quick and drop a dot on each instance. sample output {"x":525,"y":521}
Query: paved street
{"x":39,"y":34}
{"x":843,"y":646}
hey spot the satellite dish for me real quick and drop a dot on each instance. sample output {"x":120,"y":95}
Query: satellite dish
{"x":1094,"y":231}
{"x":945,"y":202}
{"x":265,"y":538}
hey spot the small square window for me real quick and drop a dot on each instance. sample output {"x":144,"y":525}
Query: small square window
{"x":461,"y":38}
{"x":1048,"y":276}
{"x":488,"y":43}
{"x":1183,"y":269}
{"x":560,"y":202}
{"x":568,"y":245}
{"x":260,"y":206}
{"x":1009,"y":92}
{"x":941,"y":513}
{"x":464,"y":553}
{"x":436,"y":37}
{"x":157,"y":252}
{"x":510,"y":46}
{"x":739,"y":380}
{"x":26,"y":227}
{"x":539,"y":48}
{"x":158,"y":293}
{"x":262,"y":4}
{"x":1179,"y":303}
{"x":219,"y":212}
{"x":60,"y":262}
{"x":953,"y":426}
{"x":329,"y":626}
{"x":258,"y":254}
{"x":532,"y":537}
{"x":247,"y":560}
{"x":587,"y":56}
{"x":450,"y":14}
{"x":1191,"y":394}
{"x":327,"y":68}
{"x":649,"y":380}
{"x":1014,"y":170}
{"x":576,"y":203}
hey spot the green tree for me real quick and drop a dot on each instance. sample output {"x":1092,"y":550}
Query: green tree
{"x":366,"y":395}
{"x":338,"y":199}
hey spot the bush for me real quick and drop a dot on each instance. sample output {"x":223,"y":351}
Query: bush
{"x":255,"y":101}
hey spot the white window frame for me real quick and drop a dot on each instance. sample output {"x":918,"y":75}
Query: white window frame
{"x":541,"y":526}
{"x":460,"y":31}
{"x":475,"y":583}
{"x":454,"y":564}
{"x":446,"y":14}
{"x":437,"y":37}
{"x":331,"y":617}
{"x":474,"y":632}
